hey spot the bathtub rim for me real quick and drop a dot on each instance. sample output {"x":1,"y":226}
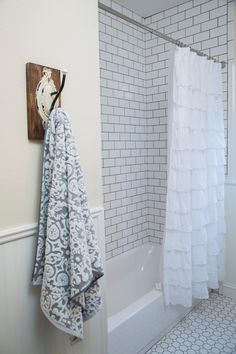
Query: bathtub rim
{"x":117,"y":319}
{"x":170,"y":327}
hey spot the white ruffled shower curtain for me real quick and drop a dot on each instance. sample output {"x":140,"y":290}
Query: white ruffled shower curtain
{"x":193,"y":245}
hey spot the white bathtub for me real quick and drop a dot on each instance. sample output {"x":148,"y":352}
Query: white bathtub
{"x":136,"y":314}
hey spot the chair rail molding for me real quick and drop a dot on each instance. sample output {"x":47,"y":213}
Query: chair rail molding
{"x":29,"y":230}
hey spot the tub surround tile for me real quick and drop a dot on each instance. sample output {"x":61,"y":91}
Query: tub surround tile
{"x":209,"y":328}
{"x":134,"y":85}
{"x":123,"y":92}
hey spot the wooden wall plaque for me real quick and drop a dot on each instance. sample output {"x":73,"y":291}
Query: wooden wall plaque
{"x":34,"y":73}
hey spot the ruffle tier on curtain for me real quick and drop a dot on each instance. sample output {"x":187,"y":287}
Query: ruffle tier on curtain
{"x":193,"y":246}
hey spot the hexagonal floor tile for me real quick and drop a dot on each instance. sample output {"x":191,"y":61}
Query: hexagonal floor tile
{"x":209,"y":328}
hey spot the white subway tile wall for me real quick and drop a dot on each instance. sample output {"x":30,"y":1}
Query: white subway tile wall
{"x":124,"y":139}
{"x":134,"y":90}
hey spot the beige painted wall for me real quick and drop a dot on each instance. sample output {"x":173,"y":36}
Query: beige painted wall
{"x":61,"y":34}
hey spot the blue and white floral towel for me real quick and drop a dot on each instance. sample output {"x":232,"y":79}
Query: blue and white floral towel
{"x":67,"y":262}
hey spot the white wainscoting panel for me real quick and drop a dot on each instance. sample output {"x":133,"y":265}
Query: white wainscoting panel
{"x":23,"y":327}
{"x":229,"y":284}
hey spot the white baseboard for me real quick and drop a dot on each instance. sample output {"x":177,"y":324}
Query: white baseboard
{"x":229,"y":290}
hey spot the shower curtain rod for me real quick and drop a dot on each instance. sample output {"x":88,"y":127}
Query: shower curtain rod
{"x":157,"y":33}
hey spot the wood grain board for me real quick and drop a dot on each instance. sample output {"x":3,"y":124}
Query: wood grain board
{"x":34,"y":73}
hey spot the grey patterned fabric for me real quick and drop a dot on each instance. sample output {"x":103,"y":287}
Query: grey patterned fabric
{"x":68,"y":263}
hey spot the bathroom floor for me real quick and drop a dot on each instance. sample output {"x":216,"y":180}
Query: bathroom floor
{"x":208,"y":329}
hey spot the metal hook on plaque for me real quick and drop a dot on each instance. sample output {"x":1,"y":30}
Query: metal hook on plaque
{"x":44,"y":87}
